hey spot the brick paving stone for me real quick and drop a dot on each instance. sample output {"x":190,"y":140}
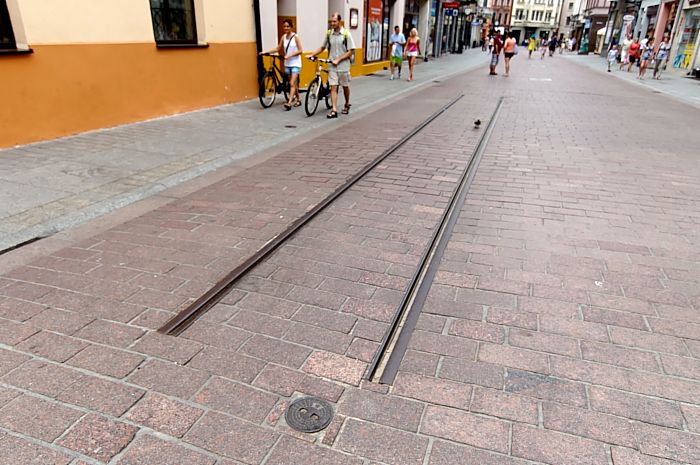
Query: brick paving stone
{"x":19,"y":310}
{"x":452,"y":346}
{"x":592,"y":425}
{"x":178,"y":350}
{"x":6,"y":395}
{"x":260,"y":323}
{"x":164,"y":415}
{"x":110,"y":333}
{"x":504,"y":405}
{"x":319,"y":338}
{"x":420,"y":363}
{"x":648,"y":340}
{"x":9,"y":360}
{"x":232,"y":438}
{"x":385,"y":410}
{"x":12,"y":333}
{"x":481,"y":374}
{"x":103,"y":396}
{"x":646,"y":409}
{"x":692,"y":417}
{"x":42,"y":377}
{"x":549,"y":307}
{"x":432,"y":390}
{"x":555,"y":448}
{"x":18,"y":451}
{"x":507,"y":317}
{"x":614,"y":317}
{"x":466,"y":428}
{"x":228,"y":364}
{"x":543,"y":342}
{"x":276,"y":351}
{"x":327,"y":319}
{"x":52,"y":346}
{"x":466,"y":310}
{"x":150,"y":450}
{"x":37,"y":417}
{"x":478,"y":330}
{"x":290,"y":451}
{"x":513,"y":357}
{"x":382,"y":444}
{"x":668,"y":443}
{"x":675,"y":328}
{"x":59,"y":321}
{"x":446,"y":453}
{"x":545,"y":387}
{"x":279,"y":380}
{"x":236,"y":399}
{"x":335,"y":367}
{"x":169,"y":378}
{"x":623,"y":456}
{"x":98,"y":437}
{"x":106,"y":361}
{"x":620,"y":356}
{"x":362,"y":349}
{"x":269,"y":305}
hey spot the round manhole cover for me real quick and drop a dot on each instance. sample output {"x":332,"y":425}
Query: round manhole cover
{"x":309,"y":415}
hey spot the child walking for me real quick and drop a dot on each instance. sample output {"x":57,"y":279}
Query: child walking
{"x":612,"y":56}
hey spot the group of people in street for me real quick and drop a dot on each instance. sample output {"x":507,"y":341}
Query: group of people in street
{"x":341,"y":49}
{"x":641,"y":52}
{"x":509,"y":47}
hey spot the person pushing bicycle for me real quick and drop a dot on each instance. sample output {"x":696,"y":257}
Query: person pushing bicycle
{"x":290,"y":49}
{"x":340,"y":48}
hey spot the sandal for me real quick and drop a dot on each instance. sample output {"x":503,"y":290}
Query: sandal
{"x":287,"y":107}
{"x":346,"y":109}
{"x":332,"y":114}
{"x":297,"y":103}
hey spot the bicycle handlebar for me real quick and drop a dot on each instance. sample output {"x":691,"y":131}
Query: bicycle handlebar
{"x":322,"y":60}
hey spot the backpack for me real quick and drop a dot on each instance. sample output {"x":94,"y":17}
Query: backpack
{"x":346,"y":33}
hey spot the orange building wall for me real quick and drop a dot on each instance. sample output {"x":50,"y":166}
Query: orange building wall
{"x":65,"y":89}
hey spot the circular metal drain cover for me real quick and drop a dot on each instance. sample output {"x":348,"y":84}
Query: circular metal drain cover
{"x":309,"y":415}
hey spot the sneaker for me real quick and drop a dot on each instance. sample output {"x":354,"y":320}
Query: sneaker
{"x":391,"y":78}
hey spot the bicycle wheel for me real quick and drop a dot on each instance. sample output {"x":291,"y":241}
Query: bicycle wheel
{"x":268,"y":90}
{"x":311,"y":101}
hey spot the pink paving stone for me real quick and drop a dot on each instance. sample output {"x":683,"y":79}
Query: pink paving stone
{"x":106,"y":361}
{"x":10,"y":360}
{"x":466,"y":428}
{"x":230,"y":365}
{"x":236,"y":399}
{"x":279,"y":380}
{"x":619,"y":356}
{"x":642,"y":408}
{"x":692,"y":417}
{"x":37,"y":417}
{"x":110,"y":333}
{"x":275,"y":351}
{"x":593,"y":425}
{"x":446,"y":453}
{"x":98,"y":437}
{"x":362,"y":349}
{"x":514,"y":357}
{"x":381,"y":443}
{"x":482,"y":374}
{"x":52,"y":346}
{"x":217,"y":335}
{"x":504,"y":405}
{"x":432,"y":390}
{"x":169,"y":378}
{"x":508,"y":317}
{"x":15,"y":450}
{"x":12,"y":332}
{"x":668,"y":443}
{"x":290,"y":451}
{"x":478,"y":330}
{"x":623,"y":456}
{"x":336,"y":367}
{"x":60,"y":321}
{"x":387,"y":410}
{"x":440,"y":344}
{"x":164,"y":415}
{"x":546,"y":387}
{"x":150,"y":450}
{"x":555,"y":448}
{"x":232,"y":438}
{"x":175,"y":349}
{"x":101,"y":395}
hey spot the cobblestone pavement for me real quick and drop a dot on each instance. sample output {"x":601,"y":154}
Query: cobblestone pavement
{"x":563,"y":327}
{"x":50,"y":186}
{"x":672,"y":82}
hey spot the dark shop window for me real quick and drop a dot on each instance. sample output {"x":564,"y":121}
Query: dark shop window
{"x":7,"y":37}
{"x":173,"y":21}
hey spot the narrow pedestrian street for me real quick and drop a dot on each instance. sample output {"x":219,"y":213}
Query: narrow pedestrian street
{"x":561,"y":327}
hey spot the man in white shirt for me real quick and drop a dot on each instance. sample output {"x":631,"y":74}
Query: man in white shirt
{"x":396,"y":43}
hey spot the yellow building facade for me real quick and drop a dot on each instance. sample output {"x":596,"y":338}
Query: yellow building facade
{"x":68,"y":66}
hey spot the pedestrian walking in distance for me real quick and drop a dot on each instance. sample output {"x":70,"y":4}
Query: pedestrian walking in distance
{"x":508,"y":51}
{"x":495,"y":51}
{"x":396,"y":43}
{"x":647,"y":54}
{"x":412,"y":51}
{"x":290,"y":49}
{"x":552,"y":46}
{"x":635,"y":48}
{"x":340,"y":48}
{"x":612,"y":56}
{"x":531,"y":46}
{"x":543,"y":48}
{"x":624,"y":51}
{"x":661,"y":56}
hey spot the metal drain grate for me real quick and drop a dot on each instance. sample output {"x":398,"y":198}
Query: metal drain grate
{"x":309,"y":415}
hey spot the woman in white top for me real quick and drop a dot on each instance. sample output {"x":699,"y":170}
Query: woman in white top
{"x":290,"y":49}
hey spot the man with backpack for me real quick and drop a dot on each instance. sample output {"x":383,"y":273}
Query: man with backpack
{"x":341,"y":50}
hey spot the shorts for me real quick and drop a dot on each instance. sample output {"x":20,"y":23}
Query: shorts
{"x":508,"y":54}
{"x":396,"y":60}
{"x":632,"y":59}
{"x":494,"y":59}
{"x":289,"y":70}
{"x":336,"y":77}
{"x":412,"y":54}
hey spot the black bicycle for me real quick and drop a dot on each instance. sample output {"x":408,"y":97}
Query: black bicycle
{"x":273,"y":82}
{"x":318,"y":89}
